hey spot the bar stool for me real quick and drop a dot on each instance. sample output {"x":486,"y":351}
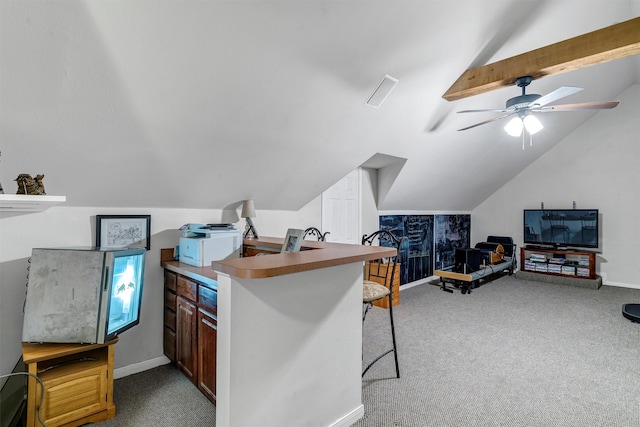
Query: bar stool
{"x":378,"y":284}
{"x":314,"y":232}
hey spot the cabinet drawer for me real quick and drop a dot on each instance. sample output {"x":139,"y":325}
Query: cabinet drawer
{"x":186,"y":288}
{"x":208,"y":299}
{"x":170,"y":280}
{"x":169,"y":299}
{"x":170,"y":319}
{"x":169,"y":344}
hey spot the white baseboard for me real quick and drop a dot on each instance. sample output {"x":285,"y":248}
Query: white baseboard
{"x":350,"y":418}
{"x":604,"y":282}
{"x":418,"y":282}
{"x":136,"y":368}
{"x":620,"y":285}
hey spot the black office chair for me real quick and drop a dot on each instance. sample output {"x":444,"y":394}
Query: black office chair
{"x":378,"y":284}
{"x":314,"y":232}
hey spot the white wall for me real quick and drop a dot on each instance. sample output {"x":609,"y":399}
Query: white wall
{"x":311,"y":324}
{"x":597,"y":166}
{"x":66,"y":226}
{"x":368,"y":199}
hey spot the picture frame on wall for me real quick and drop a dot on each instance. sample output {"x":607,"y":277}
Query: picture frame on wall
{"x":123,"y":231}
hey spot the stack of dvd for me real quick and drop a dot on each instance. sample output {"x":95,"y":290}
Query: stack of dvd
{"x":582,"y":271}
{"x":538,"y":258}
{"x":541,"y":267}
{"x":555,"y":268}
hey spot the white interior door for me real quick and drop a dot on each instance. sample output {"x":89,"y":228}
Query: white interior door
{"x":341,"y":210}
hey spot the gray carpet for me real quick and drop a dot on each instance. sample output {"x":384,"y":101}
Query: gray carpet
{"x":159,"y":397}
{"x":512,"y":353}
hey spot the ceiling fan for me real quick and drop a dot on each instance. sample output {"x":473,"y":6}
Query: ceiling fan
{"x":522,"y":106}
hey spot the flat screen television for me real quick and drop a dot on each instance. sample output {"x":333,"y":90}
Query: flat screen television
{"x":82,"y":295}
{"x":577,"y":228}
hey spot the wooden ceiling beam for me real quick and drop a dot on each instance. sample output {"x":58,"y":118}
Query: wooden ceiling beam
{"x":614,"y":42}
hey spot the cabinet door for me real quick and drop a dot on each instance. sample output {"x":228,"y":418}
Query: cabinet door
{"x":207,"y":336}
{"x":169,"y":337}
{"x":73,"y":394}
{"x":186,"y":338}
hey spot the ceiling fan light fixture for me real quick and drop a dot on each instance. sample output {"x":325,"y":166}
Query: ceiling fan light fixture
{"x":514,"y":127}
{"x":532,"y":124}
{"x":521,"y":108}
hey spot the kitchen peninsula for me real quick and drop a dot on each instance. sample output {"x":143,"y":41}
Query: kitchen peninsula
{"x":289,"y":333}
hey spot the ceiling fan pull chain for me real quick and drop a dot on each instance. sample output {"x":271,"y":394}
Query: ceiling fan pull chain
{"x":523,"y":132}
{"x":530,"y":140}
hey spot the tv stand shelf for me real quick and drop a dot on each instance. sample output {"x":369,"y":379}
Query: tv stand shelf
{"x":78,"y":382}
{"x":558,"y":262}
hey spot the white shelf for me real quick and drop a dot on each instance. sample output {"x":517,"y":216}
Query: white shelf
{"x":28,"y":203}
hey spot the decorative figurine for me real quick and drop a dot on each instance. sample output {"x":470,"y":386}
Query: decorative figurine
{"x":29,"y":185}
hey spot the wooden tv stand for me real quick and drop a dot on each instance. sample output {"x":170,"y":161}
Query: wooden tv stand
{"x":568,"y":263}
{"x":78,"y":381}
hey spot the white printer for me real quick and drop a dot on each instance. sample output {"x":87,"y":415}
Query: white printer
{"x":203,"y":243}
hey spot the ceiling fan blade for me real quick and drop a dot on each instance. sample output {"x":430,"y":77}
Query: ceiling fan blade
{"x":561,"y":92}
{"x":575,"y":107}
{"x":488,"y":121}
{"x":483,"y":111}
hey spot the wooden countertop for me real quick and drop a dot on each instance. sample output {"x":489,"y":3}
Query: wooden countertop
{"x":312,"y":256}
{"x":35,"y":352}
{"x":205,"y":275}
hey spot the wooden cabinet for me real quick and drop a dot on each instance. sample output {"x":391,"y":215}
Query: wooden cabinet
{"x":570,"y":263}
{"x":170,"y":308}
{"x":78,"y":382}
{"x":186,"y":338}
{"x":207,"y":340}
{"x":190,"y":334}
{"x":381,"y":270}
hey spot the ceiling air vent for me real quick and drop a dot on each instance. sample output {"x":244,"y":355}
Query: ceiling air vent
{"x":382,"y":91}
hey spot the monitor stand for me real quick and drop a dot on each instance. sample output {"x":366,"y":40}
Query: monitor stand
{"x":631,"y":312}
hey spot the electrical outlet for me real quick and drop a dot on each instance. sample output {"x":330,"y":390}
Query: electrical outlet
{"x":604,"y":276}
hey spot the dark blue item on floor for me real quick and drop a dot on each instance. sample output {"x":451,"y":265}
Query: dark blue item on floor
{"x":631,"y":312}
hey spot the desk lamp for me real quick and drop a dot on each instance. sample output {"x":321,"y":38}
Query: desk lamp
{"x":248,"y":212}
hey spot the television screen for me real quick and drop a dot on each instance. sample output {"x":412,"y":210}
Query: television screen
{"x":561,"y":227}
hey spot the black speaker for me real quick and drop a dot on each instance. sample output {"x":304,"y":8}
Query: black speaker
{"x":468,"y":260}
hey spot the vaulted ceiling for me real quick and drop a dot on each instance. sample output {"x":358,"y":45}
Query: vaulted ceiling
{"x":200,"y":104}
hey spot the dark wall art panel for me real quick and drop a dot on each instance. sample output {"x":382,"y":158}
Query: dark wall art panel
{"x":451,"y":232}
{"x":416,"y":254}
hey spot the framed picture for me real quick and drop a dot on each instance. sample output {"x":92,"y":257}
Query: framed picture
{"x":292,"y":241}
{"x":123,"y":231}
